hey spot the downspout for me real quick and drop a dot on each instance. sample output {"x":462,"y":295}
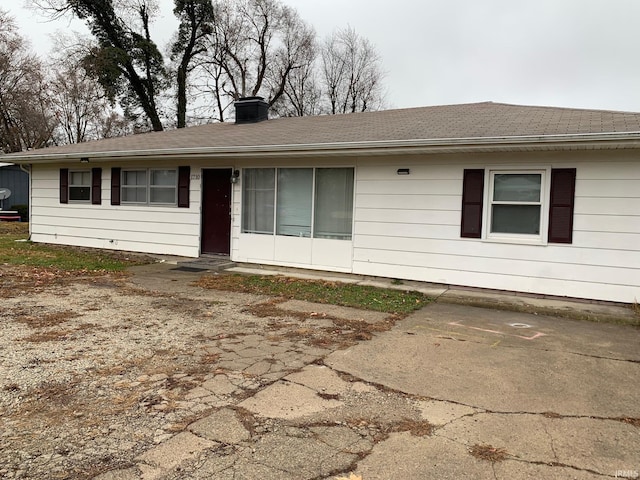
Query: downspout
{"x":27,"y":170}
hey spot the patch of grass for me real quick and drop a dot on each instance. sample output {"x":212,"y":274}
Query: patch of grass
{"x":320,"y":291}
{"x":16,"y":250}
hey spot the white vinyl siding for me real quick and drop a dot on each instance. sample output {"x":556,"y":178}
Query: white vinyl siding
{"x":130,"y":227}
{"x":409,"y":227}
{"x":404,"y":226}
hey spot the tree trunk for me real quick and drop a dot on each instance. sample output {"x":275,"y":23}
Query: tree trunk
{"x":182,"y":96}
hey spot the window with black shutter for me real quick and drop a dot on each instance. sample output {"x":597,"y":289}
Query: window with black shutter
{"x":515,"y":204}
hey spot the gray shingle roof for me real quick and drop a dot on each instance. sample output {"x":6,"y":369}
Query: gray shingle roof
{"x":479,"y":121}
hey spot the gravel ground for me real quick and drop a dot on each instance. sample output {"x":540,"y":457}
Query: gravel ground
{"x":95,"y":371}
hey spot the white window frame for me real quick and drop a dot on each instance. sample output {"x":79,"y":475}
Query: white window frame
{"x":523,"y":238}
{"x":88,"y":187}
{"x":148,"y":187}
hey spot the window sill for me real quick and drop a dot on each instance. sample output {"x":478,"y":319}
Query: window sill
{"x":516,"y":240}
{"x":142,"y":204}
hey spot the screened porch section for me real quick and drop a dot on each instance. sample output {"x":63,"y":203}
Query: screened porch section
{"x":298,"y":216}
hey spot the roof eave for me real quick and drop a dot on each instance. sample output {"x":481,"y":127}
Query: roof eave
{"x":385,"y":147}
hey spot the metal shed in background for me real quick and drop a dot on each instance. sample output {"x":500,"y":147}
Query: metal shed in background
{"x":16,"y":180}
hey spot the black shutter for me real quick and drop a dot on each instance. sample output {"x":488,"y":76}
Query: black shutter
{"x":115,"y":186}
{"x":563,"y":189}
{"x":472,"y":199}
{"x":64,"y":185}
{"x":96,"y":186}
{"x":184,"y":176}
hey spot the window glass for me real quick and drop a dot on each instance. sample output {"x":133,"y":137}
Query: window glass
{"x":79,"y":186}
{"x":289,"y":193}
{"x":258,"y":199}
{"x":164,"y":177}
{"x":294,"y":199}
{"x":516,"y":204}
{"x":163,"y":186}
{"x":134,"y":186}
{"x":135,"y":177}
{"x":516,"y":219}
{"x":334,"y":203}
{"x":162,"y":195}
{"x":516,"y":187}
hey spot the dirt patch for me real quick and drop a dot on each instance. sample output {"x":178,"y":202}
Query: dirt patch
{"x":47,"y":320}
{"x":99,"y":371}
{"x":19,"y":280}
{"x":317,"y":329}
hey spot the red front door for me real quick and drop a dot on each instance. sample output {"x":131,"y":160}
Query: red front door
{"x":216,"y":211}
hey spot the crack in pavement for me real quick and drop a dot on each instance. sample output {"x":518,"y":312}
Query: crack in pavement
{"x":560,"y":465}
{"x":551,"y":442}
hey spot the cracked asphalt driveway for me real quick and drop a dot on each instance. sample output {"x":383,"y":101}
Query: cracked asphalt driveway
{"x":152,"y":378}
{"x":559,"y":398}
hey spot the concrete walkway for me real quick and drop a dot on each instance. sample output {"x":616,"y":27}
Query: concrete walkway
{"x":449,"y":392}
{"x":512,"y":301}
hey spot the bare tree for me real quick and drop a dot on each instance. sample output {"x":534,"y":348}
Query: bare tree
{"x":254,"y":48}
{"x":196,"y":24}
{"x":351,"y":73}
{"x":78,"y":101}
{"x":125,"y":59}
{"x":25,"y":121}
{"x":302,"y":94}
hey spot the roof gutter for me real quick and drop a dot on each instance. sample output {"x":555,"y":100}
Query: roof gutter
{"x":382,"y":147}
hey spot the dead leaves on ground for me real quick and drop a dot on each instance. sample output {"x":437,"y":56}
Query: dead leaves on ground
{"x":489,"y":452}
{"x":20,"y":279}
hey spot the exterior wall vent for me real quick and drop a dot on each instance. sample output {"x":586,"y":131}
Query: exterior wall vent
{"x":251,"y":110}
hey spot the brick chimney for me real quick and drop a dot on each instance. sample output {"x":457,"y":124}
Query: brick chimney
{"x":251,"y":110}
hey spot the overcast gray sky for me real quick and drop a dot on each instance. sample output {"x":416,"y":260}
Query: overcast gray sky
{"x":565,"y":53}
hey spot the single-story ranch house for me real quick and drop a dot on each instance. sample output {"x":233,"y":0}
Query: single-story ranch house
{"x":519,"y":198}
